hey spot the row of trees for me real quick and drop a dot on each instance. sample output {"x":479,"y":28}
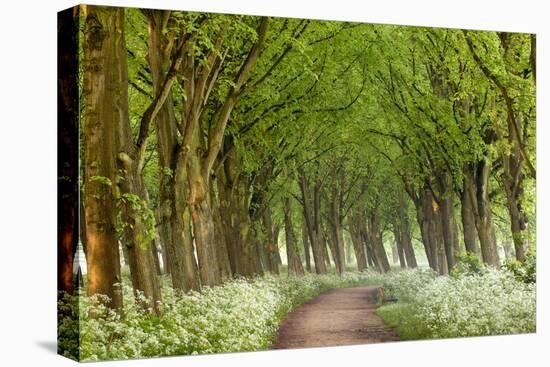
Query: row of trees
{"x":207,"y":137}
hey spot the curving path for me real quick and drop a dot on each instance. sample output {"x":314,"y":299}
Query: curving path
{"x":341,"y":316}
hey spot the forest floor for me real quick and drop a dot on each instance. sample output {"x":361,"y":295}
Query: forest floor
{"x":341,"y":316}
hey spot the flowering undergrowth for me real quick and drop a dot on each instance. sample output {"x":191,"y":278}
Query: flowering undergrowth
{"x":241,"y":315}
{"x":244,"y":315}
{"x":489,"y":303}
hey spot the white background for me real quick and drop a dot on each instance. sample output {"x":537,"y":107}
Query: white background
{"x":28,"y":181}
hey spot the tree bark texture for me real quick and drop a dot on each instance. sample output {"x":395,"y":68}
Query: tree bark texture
{"x":103,"y":84}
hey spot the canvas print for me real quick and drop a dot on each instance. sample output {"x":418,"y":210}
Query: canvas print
{"x":231,"y":183}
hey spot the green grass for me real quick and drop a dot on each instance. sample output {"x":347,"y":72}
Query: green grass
{"x":401,"y":317}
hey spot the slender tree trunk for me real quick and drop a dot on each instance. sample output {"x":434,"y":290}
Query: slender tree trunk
{"x":271,"y":247}
{"x":398,"y":250}
{"x":155,"y":254}
{"x":449,"y":231}
{"x":405,"y":232}
{"x":102,"y":67}
{"x":294,"y":264}
{"x":468,"y":221}
{"x":442,"y":253}
{"x":221,"y":245}
{"x":311,"y":215}
{"x":336,"y":237}
{"x":448,"y":222}
{"x":305,"y":242}
{"x":358,"y":243}
{"x":349,"y":254}
{"x":377,"y":245}
{"x":276,"y":231}
{"x":426,"y":217}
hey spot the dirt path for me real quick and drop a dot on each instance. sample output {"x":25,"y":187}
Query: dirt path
{"x":342,"y":316}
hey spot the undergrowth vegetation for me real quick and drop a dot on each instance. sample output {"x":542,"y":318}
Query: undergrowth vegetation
{"x":244,"y":315}
{"x":241,"y":315}
{"x":471,"y":302}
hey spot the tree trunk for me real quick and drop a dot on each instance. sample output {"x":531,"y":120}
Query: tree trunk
{"x":155,"y":254}
{"x":468,"y":221}
{"x":305,"y":242}
{"x":336,"y":237}
{"x":221,"y":245}
{"x":311,"y":215}
{"x":358,"y":243}
{"x":477,"y":182}
{"x":137,"y":220}
{"x":68,"y":203}
{"x":203,"y":222}
{"x":103,"y":64}
{"x":448,"y":221}
{"x":426,"y":217}
{"x":271,"y":246}
{"x":449,"y":231}
{"x":172,"y":204}
{"x":405,"y":232}
{"x":377,"y":245}
{"x":349,"y":254}
{"x":294,"y":264}
{"x":398,"y":251}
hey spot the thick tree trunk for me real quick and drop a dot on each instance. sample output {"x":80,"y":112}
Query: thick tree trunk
{"x":103,"y":45}
{"x":68,"y":203}
{"x":426,"y":217}
{"x":203,"y":221}
{"x":180,"y":260}
{"x":477,"y":182}
{"x":136,"y":218}
{"x":137,"y":237}
{"x":294,"y":264}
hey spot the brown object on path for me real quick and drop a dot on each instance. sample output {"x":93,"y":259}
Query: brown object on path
{"x":343,"y":316}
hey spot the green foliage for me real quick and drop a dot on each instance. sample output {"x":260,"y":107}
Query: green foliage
{"x":142,"y":214}
{"x":102,"y":180}
{"x":525,"y":271}
{"x":468,"y":264}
